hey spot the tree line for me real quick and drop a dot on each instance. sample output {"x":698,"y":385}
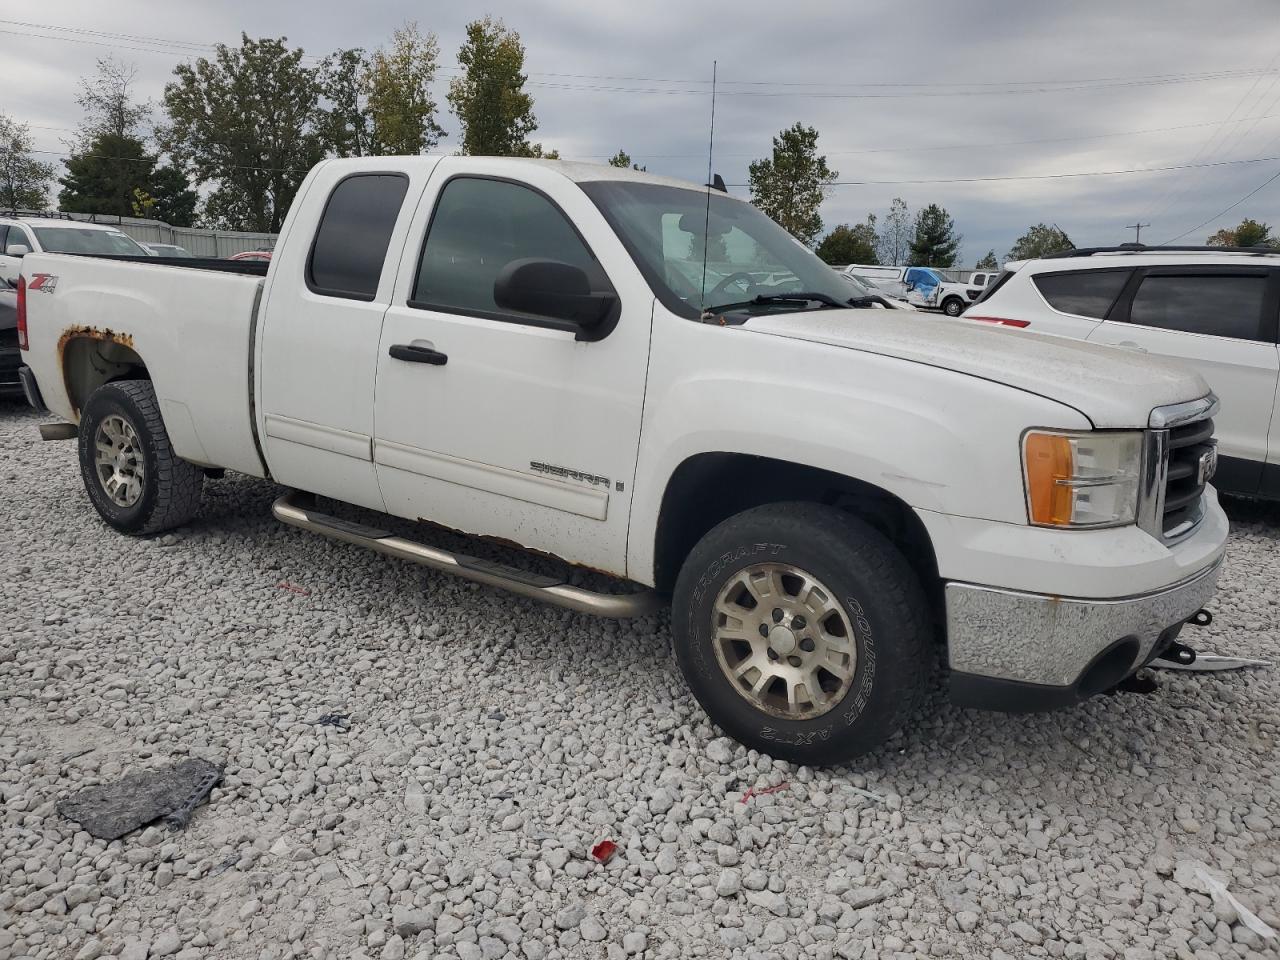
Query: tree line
{"x":247,"y":123}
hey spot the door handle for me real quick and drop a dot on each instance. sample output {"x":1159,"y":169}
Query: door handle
{"x":413,"y":353}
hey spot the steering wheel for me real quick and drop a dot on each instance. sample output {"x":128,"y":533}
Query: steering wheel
{"x":739,"y":277}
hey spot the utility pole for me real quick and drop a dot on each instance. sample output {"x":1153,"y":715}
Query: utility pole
{"x":1137,"y":229}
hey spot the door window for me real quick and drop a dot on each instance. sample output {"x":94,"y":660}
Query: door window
{"x":478,"y":227}
{"x":354,"y":233}
{"x":1217,"y":304}
{"x":1087,"y":293}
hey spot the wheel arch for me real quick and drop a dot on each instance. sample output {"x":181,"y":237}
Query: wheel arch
{"x":92,"y":357}
{"x":708,"y":488}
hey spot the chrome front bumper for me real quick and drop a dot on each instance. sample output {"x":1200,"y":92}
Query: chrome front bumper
{"x":1050,"y":641}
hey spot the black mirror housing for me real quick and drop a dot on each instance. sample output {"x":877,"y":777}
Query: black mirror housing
{"x":561,"y":291}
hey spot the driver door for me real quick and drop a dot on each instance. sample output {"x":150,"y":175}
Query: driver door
{"x":500,"y":423}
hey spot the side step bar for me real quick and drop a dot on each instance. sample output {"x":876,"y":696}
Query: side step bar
{"x":293,"y":509}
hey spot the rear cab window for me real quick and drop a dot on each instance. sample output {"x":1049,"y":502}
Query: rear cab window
{"x":1083,"y":293}
{"x":350,"y":245}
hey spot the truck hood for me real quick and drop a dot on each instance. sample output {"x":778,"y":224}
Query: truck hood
{"x":1113,"y":387}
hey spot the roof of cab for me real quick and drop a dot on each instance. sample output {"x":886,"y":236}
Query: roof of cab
{"x":574,"y":170}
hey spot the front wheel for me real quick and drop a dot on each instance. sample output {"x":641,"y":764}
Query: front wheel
{"x":953,"y":307}
{"x":135,"y":481}
{"x":802,"y":632}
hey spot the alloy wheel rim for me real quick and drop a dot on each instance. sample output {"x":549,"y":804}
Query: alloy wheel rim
{"x":118,"y":461}
{"x":783,"y":641}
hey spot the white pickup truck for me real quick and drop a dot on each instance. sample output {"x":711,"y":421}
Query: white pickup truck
{"x":827,"y":495}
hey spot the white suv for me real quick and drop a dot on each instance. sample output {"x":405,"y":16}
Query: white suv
{"x":22,"y":235}
{"x":1215,"y":308}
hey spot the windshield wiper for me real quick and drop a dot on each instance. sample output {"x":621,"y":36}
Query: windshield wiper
{"x":762,"y":299}
{"x":802,"y":296}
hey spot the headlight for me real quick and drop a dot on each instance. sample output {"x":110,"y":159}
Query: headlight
{"x":1082,"y":479}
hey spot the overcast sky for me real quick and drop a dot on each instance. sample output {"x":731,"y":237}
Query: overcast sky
{"x":899,"y":91}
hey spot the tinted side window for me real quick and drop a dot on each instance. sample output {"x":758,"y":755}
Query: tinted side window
{"x":1089,"y":293}
{"x":479,"y":226}
{"x":979,"y":280}
{"x":351,"y":241}
{"x":1224,"y":306}
{"x":4,"y":235}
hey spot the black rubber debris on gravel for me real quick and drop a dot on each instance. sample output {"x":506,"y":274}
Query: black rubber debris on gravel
{"x":111,"y":810}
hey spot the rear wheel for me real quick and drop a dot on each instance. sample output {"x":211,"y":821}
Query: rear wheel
{"x":953,"y":306}
{"x":802,"y":632}
{"x":135,"y":481}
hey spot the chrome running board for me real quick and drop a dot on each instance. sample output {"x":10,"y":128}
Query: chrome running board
{"x":292,"y":509}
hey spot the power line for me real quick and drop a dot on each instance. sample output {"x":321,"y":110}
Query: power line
{"x":1042,"y":176}
{"x":1220,"y":135}
{"x":148,"y":44}
{"x":963,"y":146}
{"x":1204,"y":223}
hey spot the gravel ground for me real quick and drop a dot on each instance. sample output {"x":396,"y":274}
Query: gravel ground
{"x":493,"y":741}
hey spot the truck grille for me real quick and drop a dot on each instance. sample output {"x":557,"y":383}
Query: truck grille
{"x":1188,"y":446}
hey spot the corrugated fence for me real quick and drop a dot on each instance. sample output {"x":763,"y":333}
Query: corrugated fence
{"x":197,"y":241}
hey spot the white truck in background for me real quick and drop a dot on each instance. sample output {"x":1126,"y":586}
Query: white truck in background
{"x":922,"y":287}
{"x":826,"y":494}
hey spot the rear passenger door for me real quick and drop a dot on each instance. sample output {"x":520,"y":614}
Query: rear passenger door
{"x":1221,"y":321}
{"x":321,"y":321}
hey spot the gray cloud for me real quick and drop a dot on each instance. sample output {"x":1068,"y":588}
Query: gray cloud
{"x":974,"y":53}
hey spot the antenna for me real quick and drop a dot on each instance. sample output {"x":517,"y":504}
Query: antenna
{"x":706,"y":224}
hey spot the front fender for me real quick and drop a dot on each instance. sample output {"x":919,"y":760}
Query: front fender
{"x":936,"y":439}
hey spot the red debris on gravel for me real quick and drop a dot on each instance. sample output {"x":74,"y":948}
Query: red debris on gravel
{"x":294,"y":588}
{"x":763,"y":791}
{"x":604,"y":850}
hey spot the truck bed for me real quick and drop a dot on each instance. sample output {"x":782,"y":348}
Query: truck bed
{"x":189,"y":322}
{"x":252,"y":268}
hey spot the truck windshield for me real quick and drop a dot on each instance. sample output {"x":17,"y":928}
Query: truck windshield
{"x":748,"y":256}
{"x":83,"y":240}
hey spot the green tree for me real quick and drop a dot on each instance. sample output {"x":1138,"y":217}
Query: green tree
{"x":489,"y":99}
{"x":23,"y":178}
{"x":1039,"y":241}
{"x":791,"y":184}
{"x":398,"y":85}
{"x":249,"y":122}
{"x":894,"y":239}
{"x":623,"y":159}
{"x":989,"y":262}
{"x":110,"y":170}
{"x":846,"y":244}
{"x":1250,"y":233}
{"x":936,"y":241}
{"x":344,"y":125}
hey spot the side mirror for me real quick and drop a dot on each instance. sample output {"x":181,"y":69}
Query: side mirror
{"x":16,"y":250}
{"x":551,"y":288}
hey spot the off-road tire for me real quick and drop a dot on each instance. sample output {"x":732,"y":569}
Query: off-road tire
{"x":873,"y":584}
{"x":953,"y":306}
{"x":170,"y":485}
